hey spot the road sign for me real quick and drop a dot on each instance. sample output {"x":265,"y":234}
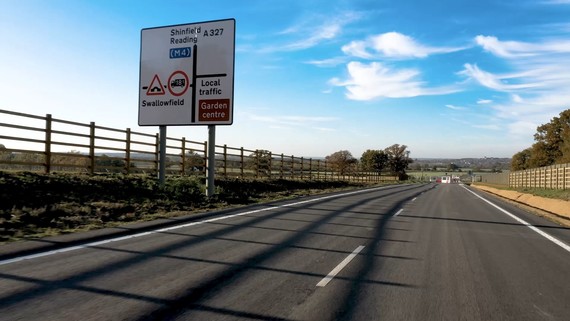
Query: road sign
{"x":187,"y":74}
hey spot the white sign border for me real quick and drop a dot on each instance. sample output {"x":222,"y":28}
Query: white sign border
{"x":196,"y":122}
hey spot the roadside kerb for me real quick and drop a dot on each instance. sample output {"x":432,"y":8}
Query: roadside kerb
{"x":559,"y":208}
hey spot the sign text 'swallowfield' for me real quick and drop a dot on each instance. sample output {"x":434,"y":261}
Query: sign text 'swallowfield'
{"x":187,"y":74}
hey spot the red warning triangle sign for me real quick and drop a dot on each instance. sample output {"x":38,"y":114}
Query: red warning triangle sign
{"x":155,"y":87}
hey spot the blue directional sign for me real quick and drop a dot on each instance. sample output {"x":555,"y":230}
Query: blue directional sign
{"x":184,"y":52}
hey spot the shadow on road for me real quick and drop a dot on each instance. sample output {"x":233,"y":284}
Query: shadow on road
{"x":193,"y":297}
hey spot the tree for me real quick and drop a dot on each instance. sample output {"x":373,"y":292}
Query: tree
{"x":416,"y":167}
{"x":260,"y":162}
{"x":521,"y":160}
{"x":341,"y":161}
{"x":540,"y":155}
{"x":565,"y":134}
{"x":193,"y":162}
{"x":5,"y":155}
{"x":374,"y":160}
{"x":452,"y":167}
{"x":398,"y":159}
{"x":110,"y":164}
{"x":552,"y":145}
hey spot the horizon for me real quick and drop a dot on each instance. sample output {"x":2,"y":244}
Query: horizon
{"x":450,"y":80}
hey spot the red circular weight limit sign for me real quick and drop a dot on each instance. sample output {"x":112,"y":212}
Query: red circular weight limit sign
{"x":177,"y":85}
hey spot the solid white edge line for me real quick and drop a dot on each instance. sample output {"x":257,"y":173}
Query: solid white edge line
{"x":398,"y":212}
{"x":121,"y":238}
{"x":530,"y":226}
{"x":339,"y":267}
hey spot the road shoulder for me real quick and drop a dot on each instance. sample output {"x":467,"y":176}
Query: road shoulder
{"x":554,"y":210}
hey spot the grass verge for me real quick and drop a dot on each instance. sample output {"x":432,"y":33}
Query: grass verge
{"x":547,"y":193}
{"x":36,"y":205}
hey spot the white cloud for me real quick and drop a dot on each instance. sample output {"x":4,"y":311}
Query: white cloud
{"x":556,"y":1}
{"x":488,"y":127}
{"x":324,"y":129}
{"x":331,"y":62}
{"x":516,"y":98}
{"x":324,"y":32}
{"x":321,"y":29}
{"x":393,"y":45}
{"x":537,"y":86}
{"x":279,"y":121}
{"x":455,"y":107}
{"x":514,"y":49}
{"x":484,"y":101}
{"x":522,"y":128}
{"x":357,"y":49}
{"x":375,"y":80}
{"x":493,"y":81}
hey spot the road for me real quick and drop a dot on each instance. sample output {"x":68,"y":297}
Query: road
{"x":406,"y":252}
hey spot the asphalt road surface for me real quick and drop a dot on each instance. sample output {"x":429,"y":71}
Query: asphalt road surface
{"x":407,"y":252}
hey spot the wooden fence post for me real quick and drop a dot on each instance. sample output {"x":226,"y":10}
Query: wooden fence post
{"x":225,"y":161}
{"x":270,"y":165}
{"x":241,"y":164}
{"x":204,"y":169}
{"x":564,"y":175}
{"x":47,"y":158}
{"x":292,"y":167}
{"x":257,"y":163}
{"x":92,"y":148}
{"x":128,"y":152}
{"x":183,"y":160}
{"x":281,"y":169}
{"x":302,"y":167}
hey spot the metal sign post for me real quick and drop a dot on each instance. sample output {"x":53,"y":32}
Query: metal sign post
{"x":162,"y":156}
{"x":211,"y":161}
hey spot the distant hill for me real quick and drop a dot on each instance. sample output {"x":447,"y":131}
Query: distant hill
{"x":487,"y":163}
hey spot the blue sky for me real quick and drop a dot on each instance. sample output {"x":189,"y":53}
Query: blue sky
{"x":446,"y":78}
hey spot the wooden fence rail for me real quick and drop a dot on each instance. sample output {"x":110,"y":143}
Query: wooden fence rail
{"x":35,"y":143}
{"x":551,"y":177}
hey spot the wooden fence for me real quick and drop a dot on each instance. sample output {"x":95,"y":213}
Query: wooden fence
{"x":551,"y":177}
{"x":36,"y":143}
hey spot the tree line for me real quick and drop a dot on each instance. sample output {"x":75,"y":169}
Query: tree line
{"x":394,"y":159}
{"x":552,"y":145}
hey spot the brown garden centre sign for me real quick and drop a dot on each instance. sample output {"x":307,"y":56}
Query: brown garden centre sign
{"x":187,"y":74}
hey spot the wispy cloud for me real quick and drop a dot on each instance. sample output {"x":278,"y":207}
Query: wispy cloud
{"x":453,"y":107}
{"x":323,"y":28}
{"x":556,"y":1}
{"x":484,"y":101}
{"x":512,"y":49}
{"x":331,"y":62}
{"x":539,"y":67}
{"x":537,"y":87}
{"x":293,"y":121}
{"x":375,"y":80}
{"x":493,"y":81}
{"x":487,"y":127}
{"x":324,"y":129}
{"x":393,"y":45}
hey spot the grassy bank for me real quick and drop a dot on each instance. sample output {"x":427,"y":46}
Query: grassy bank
{"x":542,"y":192}
{"x":35,"y":205}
